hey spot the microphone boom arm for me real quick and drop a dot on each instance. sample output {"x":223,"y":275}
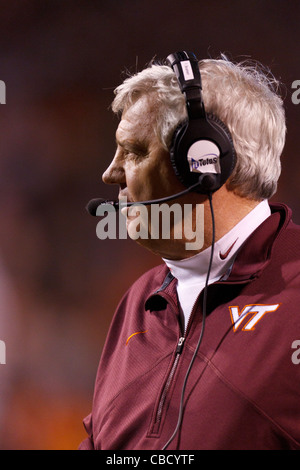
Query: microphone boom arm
{"x":94,"y":203}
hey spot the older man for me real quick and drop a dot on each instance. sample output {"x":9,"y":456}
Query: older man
{"x":165,"y":381}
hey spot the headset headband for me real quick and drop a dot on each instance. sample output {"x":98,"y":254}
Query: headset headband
{"x":186,"y":69}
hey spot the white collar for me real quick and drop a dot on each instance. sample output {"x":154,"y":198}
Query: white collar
{"x":194,"y":269}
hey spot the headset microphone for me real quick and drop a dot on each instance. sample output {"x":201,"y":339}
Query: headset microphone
{"x":93,"y":204}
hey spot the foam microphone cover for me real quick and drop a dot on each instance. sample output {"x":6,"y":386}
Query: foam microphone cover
{"x":92,"y":205}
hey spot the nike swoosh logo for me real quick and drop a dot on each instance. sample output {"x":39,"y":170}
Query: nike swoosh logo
{"x":225,"y":255}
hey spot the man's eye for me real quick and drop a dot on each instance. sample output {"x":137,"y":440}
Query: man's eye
{"x":129,"y":154}
{"x":134,"y":155}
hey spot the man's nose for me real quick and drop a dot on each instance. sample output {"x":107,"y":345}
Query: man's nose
{"x":115,"y":173}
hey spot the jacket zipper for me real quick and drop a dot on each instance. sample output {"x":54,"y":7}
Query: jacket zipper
{"x":168,"y":383}
{"x":179,"y":348}
{"x":169,"y":380}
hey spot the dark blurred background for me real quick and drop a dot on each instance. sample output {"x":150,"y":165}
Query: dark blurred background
{"x":59,"y":284}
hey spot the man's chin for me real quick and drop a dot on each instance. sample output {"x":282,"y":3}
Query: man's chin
{"x":169,"y":249}
{"x":151,"y":245}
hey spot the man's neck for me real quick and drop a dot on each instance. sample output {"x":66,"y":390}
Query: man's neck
{"x":229,"y":209}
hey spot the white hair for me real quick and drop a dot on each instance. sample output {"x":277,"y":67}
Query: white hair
{"x":243,"y":96}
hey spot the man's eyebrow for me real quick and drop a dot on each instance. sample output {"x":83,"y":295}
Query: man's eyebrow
{"x":136,"y":146}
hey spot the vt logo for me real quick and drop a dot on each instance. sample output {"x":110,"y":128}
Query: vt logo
{"x":257,"y":311}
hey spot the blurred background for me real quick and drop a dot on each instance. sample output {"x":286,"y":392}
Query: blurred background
{"x":59,"y":284}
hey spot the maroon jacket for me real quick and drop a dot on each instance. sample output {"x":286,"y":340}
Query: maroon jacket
{"x":243,"y":391}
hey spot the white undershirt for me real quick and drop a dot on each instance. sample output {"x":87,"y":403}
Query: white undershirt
{"x":191,"y":272}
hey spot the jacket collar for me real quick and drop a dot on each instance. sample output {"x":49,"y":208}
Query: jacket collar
{"x":251,"y":260}
{"x":256,"y":252}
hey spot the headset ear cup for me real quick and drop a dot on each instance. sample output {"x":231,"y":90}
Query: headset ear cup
{"x":201,"y":130}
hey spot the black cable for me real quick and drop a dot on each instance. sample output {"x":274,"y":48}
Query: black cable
{"x":204,"y":307}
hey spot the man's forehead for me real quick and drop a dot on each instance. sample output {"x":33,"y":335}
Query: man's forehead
{"x":138,"y":118}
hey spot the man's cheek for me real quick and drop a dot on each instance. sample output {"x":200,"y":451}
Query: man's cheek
{"x":137,"y":221}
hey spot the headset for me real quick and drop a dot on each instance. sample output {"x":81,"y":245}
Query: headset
{"x":202,"y":149}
